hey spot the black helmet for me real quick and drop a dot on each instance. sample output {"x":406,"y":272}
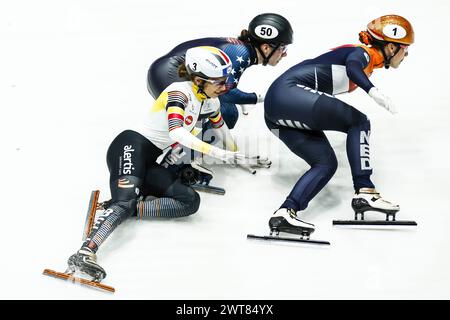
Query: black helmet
{"x":270,"y":28}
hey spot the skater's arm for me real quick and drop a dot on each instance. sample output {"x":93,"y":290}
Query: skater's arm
{"x":222,"y":130}
{"x":175,"y":116}
{"x":239,"y":65}
{"x":184,"y":137}
{"x":355,"y":64}
{"x":240,"y":97}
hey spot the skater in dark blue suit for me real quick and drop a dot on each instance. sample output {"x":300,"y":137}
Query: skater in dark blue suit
{"x":301,"y":104}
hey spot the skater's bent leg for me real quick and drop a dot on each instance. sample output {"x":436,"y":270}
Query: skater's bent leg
{"x":334,"y":114}
{"x":127,"y":158}
{"x":169,"y":197}
{"x":314,"y":148}
{"x":308,"y":186}
{"x":123,"y":205}
{"x":169,"y":206}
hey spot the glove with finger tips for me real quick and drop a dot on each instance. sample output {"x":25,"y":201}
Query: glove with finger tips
{"x":382,"y":100}
{"x":221,"y":154}
{"x":259,"y":97}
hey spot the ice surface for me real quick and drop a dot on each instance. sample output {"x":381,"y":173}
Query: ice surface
{"x":73,"y":75}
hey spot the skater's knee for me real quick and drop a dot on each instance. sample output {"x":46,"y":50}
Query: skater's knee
{"x":328,"y":170}
{"x":194,"y":203}
{"x":332,"y":167}
{"x":361,"y":120}
{"x":356,"y":120}
{"x":191,"y":201}
{"x":128,"y":204}
{"x":328,"y":166}
{"x":186,"y":195}
{"x":333,"y":164}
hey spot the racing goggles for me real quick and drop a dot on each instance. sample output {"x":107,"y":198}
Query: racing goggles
{"x":216,"y":82}
{"x":281,"y":47}
{"x":404,"y":47}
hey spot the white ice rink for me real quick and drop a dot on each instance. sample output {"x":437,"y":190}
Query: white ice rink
{"x":73,"y":75}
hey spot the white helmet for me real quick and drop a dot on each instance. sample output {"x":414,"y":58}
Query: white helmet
{"x":207,"y":62}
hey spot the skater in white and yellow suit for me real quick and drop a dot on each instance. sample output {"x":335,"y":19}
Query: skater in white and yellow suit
{"x":132,"y":155}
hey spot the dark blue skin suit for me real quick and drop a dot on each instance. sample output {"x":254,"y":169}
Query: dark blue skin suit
{"x":300,"y":104}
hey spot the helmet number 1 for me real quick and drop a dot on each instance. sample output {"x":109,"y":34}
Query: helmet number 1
{"x":394,"y":31}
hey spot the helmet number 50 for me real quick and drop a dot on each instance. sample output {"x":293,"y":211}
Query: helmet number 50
{"x":266,"y":31}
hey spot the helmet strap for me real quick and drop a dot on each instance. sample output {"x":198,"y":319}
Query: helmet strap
{"x":201,"y":88}
{"x":387,"y":60}
{"x":266,"y":59}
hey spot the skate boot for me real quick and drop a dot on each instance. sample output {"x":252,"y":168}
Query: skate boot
{"x":85,"y":261}
{"x":286,"y":220}
{"x":368,"y":199}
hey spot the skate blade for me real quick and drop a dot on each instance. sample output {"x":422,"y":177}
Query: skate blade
{"x":90,"y":215}
{"x":374,"y":223}
{"x":289,"y":239}
{"x":208,"y":189}
{"x":73,"y":279}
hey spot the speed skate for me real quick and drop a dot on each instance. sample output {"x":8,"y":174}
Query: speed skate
{"x":71,"y":274}
{"x":389,"y":221}
{"x":286,"y":220}
{"x":302,"y":239}
{"x":198,"y":178}
{"x":205,"y":187}
{"x":370,"y":200}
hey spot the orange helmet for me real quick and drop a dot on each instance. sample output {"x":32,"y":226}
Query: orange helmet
{"x":392,"y":28}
